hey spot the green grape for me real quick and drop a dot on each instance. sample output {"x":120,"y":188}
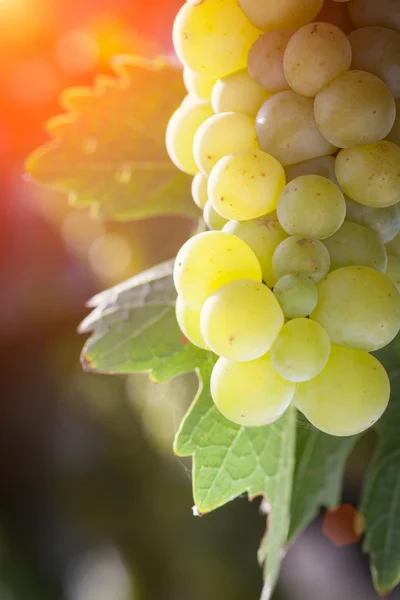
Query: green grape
{"x":286,"y":128}
{"x":212,"y":219}
{"x":198,"y":86}
{"x":383,"y":13}
{"x":207,"y":261}
{"x":355,"y":108}
{"x":384,"y":221}
{"x":322,"y":165}
{"x":377,"y":50}
{"x":349,"y":395}
{"x":297,"y":294}
{"x":359,"y":307}
{"x":241,"y":320}
{"x":189,"y":323}
{"x":354,"y":245}
{"x":301,"y":350}
{"x":250,"y":393}
{"x":315,"y":54}
{"x":301,"y":255}
{"x":280,"y":14}
{"x":265,"y":60}
{"x":199,"y":190}
{"x":239,"y":93}
{"x":213,"y":37}
{"x":180,"y":133}
{"x":311,"y":206}
{"x":394,"y":134}
{"x":221,"y":135}
{"x":393,"y":247}
{"x":262,"y":235}
{"x":370,"y":174}
{"x":246,"y":185}
{"x":393,"y":270}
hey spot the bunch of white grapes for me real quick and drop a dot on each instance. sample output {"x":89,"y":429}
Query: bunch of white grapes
{"x":290,"y":131}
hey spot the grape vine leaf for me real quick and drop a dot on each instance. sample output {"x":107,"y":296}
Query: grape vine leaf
{"x":134,"y":329}
{"x":229,"y":460}
{"x":108,"y":150}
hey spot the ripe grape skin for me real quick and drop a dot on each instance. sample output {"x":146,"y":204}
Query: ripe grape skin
{"x":246,"y":185}
{"x":181,"y":129}
{"x":211,"y":259}
{"x":241,"y":320}
{"x":336,"y":13}
{"x":356,"y":245}
{"x":315,"y":54}
{"x":385,"y":222}
{"x":385,"y":13}
{"x":213,"y":37}
{"x":355,"y":108}
{"x":370,"y":174}
{"x":212,"y":219}
{"x":301,"y":255}
{"x":393,"y":270}
{"x":286,"y":128}
{"x":322,"y":165}
{"x":297,"y":294}
{"x":198,"y":86}
{"x":263,"y":235}
{"x":265,"y":60}
{"x":199,"y":190}
{"x":250,"y":393}
{"x":189,"y":323}
{"x":280,"y":14}
{"x":221,"y":135}
{"x":238,"y":92}
{"x":301,"y":350}
{"x":394,"y":134}
{"x":311,"y":206}
{"x":359,"y":307}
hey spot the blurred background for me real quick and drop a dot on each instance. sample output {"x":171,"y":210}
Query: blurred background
{"x":93,"y":505}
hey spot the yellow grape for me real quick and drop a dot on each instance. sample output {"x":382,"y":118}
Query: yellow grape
{"x":199,"y":86}
{"x":356,"y":245}
{"x":189,"y":323}
{"x":250,"y":393}
{"x":241,"y":320}
{"x":301,"y":350}
{"x":211,"y":259}
{"x":180,"y":133}
{"x":306,"y":256}
{"x":297,"y":294}
{"x":349,"y":395}
{"x":239,"y":93}
{"x":359,"y":307}
{"x":199,"y":190}
{"x":383,"y":13}
{"x":246,"y":185}
{"x":281,"y":14}
{"x":393,"y":270}
{"x":212,"y":219}
{"x":221,"y":135}
{"x":213,"y":37}
{"x":265,"y":60}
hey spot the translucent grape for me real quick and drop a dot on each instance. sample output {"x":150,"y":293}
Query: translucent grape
{"x":246,"y":185}
{"x":212,"y":219}
{"x":394,"y":134}
{"x":393,"y":270}
{"x":355,"y":108}
{"x":262,"y":235}
{"x":280,"y":14}
{"x":209,"y":260}
{"x":377,"y":50}
{"x":315,"y":54}
{"x":393,"y":247}
{"x":384,"y":221}
{"x":199,"y":190}
{"x":241,"y":320}
{"x":301,"y":350}
{"x":322,"y":165}
{"x":359,"y":307}
{"x":370,"y":174}
{"x":199,"y":86}
{"x":383,"y":13}
{"x":297,"y":294}
{"x":250,"y":393}
{"x":239,"y":93}
{"x":311,"y":206}
{"x":349,"y":395}
{"x":221,"y":135}
{"x":189,"y":323}
{"x":213,"y":37}
{"x":354,"y":244}
{"x":301,"y":255}
{"x":265,"y":60}
{"x":286,"y":128}
{"x":180,"y":133}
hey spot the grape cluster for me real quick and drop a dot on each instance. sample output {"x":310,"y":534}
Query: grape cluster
{"x":291,"y":134}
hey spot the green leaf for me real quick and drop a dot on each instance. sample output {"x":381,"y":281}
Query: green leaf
{"x":320,"y":462}
{"x":229,"y":460}
{"x":134,"y":329}
{"x":109,"y":149}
